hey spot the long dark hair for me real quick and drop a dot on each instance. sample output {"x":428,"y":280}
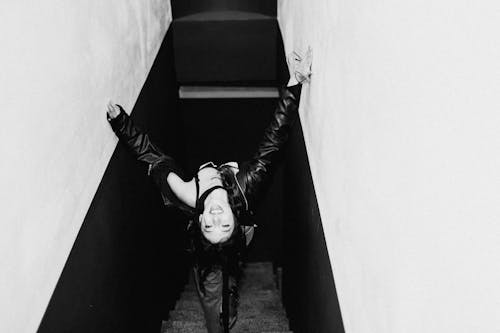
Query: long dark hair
{"x":234,"y":195}
{"x":210,"y":257}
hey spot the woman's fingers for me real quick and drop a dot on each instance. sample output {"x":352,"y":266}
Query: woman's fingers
{"x":113,"y":110}
{"x":300,"y":65}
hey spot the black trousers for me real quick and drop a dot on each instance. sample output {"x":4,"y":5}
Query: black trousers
{"x":210,"y":295}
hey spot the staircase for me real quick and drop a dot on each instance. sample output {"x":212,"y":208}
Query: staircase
{"x":260,"y":308}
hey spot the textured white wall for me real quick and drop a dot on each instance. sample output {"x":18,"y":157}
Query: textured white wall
{"x":61,"y":62}
{"x":402,"y":126}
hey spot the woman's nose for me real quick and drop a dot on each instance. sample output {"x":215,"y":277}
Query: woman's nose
{"x":216,"y":221}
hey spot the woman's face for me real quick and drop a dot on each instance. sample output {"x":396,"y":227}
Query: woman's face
{"x":217,"y":219}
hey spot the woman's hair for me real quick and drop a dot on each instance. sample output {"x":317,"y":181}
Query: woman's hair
{"x":209,"y":255}
{"x":234,"y":195}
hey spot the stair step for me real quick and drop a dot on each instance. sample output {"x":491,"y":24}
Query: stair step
{"x":242,"y":308}
{"x":188,"y":305}
{"x":186,"y":314}
{"x":260,"y":308}
{"x":250,"y":325}
{"x":185,"y":330}
{"x":263,"y":289}
{"x":185,"y":324}
{"x":244,"y":298}
{"x":253,"y":314}
{"x":203,"y":330}
{"x":259,"y":326}
{"x":254,"y":291}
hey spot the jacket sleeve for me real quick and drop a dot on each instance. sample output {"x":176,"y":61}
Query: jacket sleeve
{"x":136,"y":140}
{"x":144,"y":150}
{"x":253,"y":172}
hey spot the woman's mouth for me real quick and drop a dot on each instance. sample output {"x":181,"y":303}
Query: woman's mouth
{"x":216,"y":209}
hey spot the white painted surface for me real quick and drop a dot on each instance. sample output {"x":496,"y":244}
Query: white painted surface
{"x":61,"y":62}
{"x":211,"y":92}
{"x":402,"y":127}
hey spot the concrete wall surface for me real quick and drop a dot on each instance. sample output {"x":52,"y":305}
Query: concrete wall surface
{"x":62,"y":62}
{"x":401,"y":123}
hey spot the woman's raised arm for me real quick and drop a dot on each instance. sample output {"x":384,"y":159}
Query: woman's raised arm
{"x":253,"y":172}
{"x":136,"y":140}
{"x":162,"y":168}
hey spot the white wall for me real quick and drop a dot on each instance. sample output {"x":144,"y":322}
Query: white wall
{"x":402,"y":126}
{"x":61,"y":62}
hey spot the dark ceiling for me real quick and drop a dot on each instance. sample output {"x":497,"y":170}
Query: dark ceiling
{"x":226,"y":42}
{"x":182,"y":8}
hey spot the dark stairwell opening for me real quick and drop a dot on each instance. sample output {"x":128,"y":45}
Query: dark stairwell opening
{"x":222,"y":44}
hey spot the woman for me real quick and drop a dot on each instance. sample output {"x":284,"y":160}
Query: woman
{"x":218,"y":199}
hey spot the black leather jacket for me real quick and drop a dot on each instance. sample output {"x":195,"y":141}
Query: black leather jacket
{"x":251,"y":173}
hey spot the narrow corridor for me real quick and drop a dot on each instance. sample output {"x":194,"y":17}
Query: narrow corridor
{"x":127,"y":265}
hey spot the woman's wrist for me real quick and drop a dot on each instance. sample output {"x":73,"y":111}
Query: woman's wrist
{"x":292,"y":82}
{"x":113,"y":111}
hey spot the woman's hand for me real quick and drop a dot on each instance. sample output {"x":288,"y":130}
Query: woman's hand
{"x":113,"y":110}
{"x":300,"y":67}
